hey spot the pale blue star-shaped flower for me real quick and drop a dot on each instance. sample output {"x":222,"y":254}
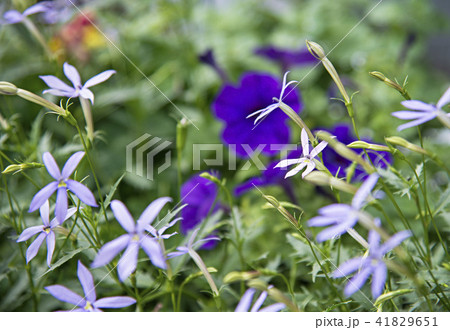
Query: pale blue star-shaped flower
{"x":341,"y":217}
{"x":89,"y":302}
{"x":372,"y":264}
{"x":135,"y":238}
{"x":45,"y":232}
{"x":246,"y":301}
{"x":61,"y":184}
{"x":267,"y":110}
{"x":13,"y":16}
{"x":422,"y":112}
{"x":60,"y":88}
{"x":306,"y":161}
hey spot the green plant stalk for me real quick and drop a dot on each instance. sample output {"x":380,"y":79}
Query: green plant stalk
{"x":297,"y":120}
{"x":200,"y":264}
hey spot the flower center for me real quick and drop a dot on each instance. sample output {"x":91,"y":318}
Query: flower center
{"x":47,"y":229}
{"x":62,"y":184}
{"x":88,"y":306}
{"x":135,"y":238}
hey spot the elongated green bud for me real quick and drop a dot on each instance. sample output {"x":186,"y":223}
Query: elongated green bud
{"x":370,"y":146}
{"x":240,"y":276}
{"x":7,"y":88}
{"x":399,"y":141}
{"x":182,"y":126}
{"x":16,"y":168}
{"x":322,"y":179}
{"x":401,"y":89}
{"x":277,"y":205}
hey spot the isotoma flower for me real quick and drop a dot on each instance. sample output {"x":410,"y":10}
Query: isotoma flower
{"x":192,"y":245}
{"x":341,"y":217}
{"x":422,"y":112}
{"x":60,"y":88}
{"x":89,"y":302}
{"x":159,"y":233}
{"x":61,"y":185}
{"x":234,"y":104}
{"x":306,"y":161}
{"x":262,"y":113}
{"x":246,"y":301}
{"x":372,"y":264}
{"x":13,"y":16}
{"x":45,"y":232}
{"x":135,"y":238}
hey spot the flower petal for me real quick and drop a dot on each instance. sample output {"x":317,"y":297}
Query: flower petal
{"x":51,"y":165}
{"x":357,"y":281}
{"x":272,"y":308}
{"x":37,"y":8}
{"x":123,"y":216}
{"x":114,"y":302}
{"x":348,"y":267}
{"x":72,"y":74}
{"x":444,"y":99}
{"x":378,"y":279}
{"x":154,"y":251}
{"x":417,"y":122}
{"x":321,"y":221}
{"x":34,"y":247}
{"x":87,"y":282}
{"x":364,"y":191}
{"x":61,"y":204}
{"x":395,"y":240}
{"x":42,"y":195}
{"x":62,"y":293}
{"x":258,"y":303}
{"x":87,"y":94}
{"x":311,"y":166}
{"x":13,"y":16}
{"x":29,"y":232}
{"x":82,"y":192}
{"x":57,"y":92}
{"x":151,"y":212}
{"x":108,"y":251}
{"x":57,"y":84}
{"x":246,"y":300}
{"x":334,"y":231}
{"x":51,"y":240}
{"x":101,"y":77}
{"x":318,"y":149}
{"x":335,"y":210}
{"x":305,"y":142}
{"x":407,"y":115}
{"x":418,"y":105}
{"x":44,"y":210}
{"x":296,"y":169}
{"x":288,"y":162}
{"x":71,"y":164}
{"x":128,"y":262}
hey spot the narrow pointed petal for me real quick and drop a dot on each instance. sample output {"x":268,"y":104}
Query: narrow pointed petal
{"x":266,"y":112}
{"x":29,"y":232}
{"x":204,"y":240}
{"x":245,"y":302}
{"x":154,"y":251}
{"x":418,"y":105}
{"x":72,"y":74}
{"x":334,"y":231}
{"x":51,"y":241}
{"x":87,"y":282}
{"x":305,"y":142}
{"x":348,"y":267}
{"x":114,"y":302}
{"x":151,"y":212}
{"x":44,"y":210}
{"x":311,"y":166}
{"x":101,"y":77}
{"x":110,"y":250}
{"x":444,"y":99}
{"x":57,"y":92}
{"x":34,"y":247}
{"x":416,"y":122}
{"x":335,"y":210}
{"x":272,"y":308}
{"x":288,"y":162}
{"x":87,"y":94}
{"x":296,"y":169}
{"x":170,"y":224}
{"x":42,"y":196}
{"x":37,"y":8}
{"x":51,"y":165}
{"x":408,"y":115}
{"x":56,"y":83}
{"x":357,"y":281}
{"x":321,"y":221}
{"x":378,"y":279}
{"x":13,"y":16}
{"x":128,"y":262}
{"x":258,"y":303}
{"x":364,"y":191}
{"x":318,"y":149}
{"x":72,"y":164}
{"x":61,"y":204}
{"x":395,"y":240}
{"x":62,"y":293}
{"x":123,"y":216}
{"x":82,"y":192}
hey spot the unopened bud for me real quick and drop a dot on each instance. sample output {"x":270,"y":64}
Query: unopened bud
{"x":285,"y":213}
{"x":399,"y":141}
{"x":210,"y":177}
{"x":315,"y":49}
{"x":380,"y":76}
{"x":322,"y":179}
{"x":182,"y":126}
{"x":16,"y":168}
{"x":7,"y":88}
{"x":240,"y":276}
{"x":365,"y":145}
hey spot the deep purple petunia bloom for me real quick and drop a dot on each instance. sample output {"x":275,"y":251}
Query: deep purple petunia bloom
{"x":13,"y":16}
{"x":341,"y":217}
{"x":287,"y":58}
{"x":246,"y":301}
{"x":45,"y":232}
{"x":234,"y":104}
{"x":61,"y":185}
{"x":422,"y":112}
{"x":60,"y":88}
{"x":135,"y":238}
{"x":371,"y":264}
{"x":89,"y":302}
{"x":336,"y":163}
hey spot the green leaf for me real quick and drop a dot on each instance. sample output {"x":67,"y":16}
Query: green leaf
{"x":390,"y":295}
{"x":64,"y":259}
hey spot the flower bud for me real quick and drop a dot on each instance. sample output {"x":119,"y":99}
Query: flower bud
{"x":277,"y":205}
{"x":322,"y":179}
{"x":315,"y":49}
{"x":7,"y":88}
{"x":182,"y":126}
{"x":16,"y":168}
{"x":365,"y":145}
{"x":240,"y":276}
{"x":399,"y":141}
{"x":380,"y":76}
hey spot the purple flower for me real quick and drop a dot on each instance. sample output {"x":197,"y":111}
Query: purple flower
{"x":372,"y":264}
{"x":159,"y":233}
{"x":246,"y":301}
{"x":135,"y":238}
{"x":287,"y":58}
{"x":60,"y":88}
{"x":307,"y":160}
{"x":234,"y":104}
{"x":191,"y":245}
{"x":59,"y":11}
{"x":341,"y":217}
{"x":335,"y":163}
{"x":89,"y":302}
{"x":422,"y":112}
{"x":14,"y":16}
{"x":45,"y":232}
{"x":61,"y":185}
